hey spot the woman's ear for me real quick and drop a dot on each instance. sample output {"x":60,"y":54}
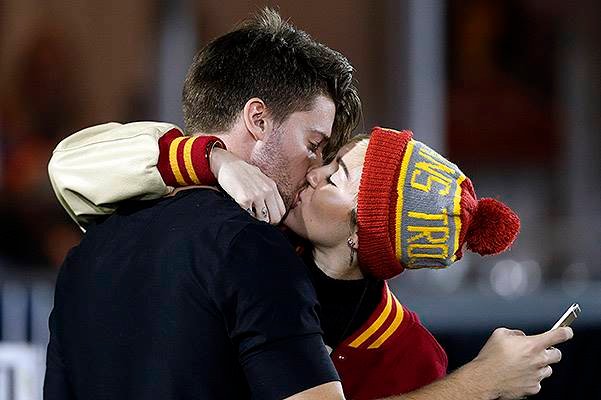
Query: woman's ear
{"x":256,"y":118}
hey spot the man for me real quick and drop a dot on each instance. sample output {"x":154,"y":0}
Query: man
{"x":201,"y":303}
{"x":164,"y":300}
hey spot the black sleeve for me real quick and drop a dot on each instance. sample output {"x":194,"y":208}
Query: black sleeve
{"x":269,"y":306}
{"x":56,"y":385}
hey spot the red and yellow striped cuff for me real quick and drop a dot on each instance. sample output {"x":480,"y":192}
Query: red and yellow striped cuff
{"x":184,"y":160}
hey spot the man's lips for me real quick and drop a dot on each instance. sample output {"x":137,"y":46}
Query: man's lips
{"x":298,"y":197}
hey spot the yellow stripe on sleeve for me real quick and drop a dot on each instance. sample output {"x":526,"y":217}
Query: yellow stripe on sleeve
{"x":398,"y":318}
{"x":188,"y":160}
{"x":376,"y":325}
{"x":173,"y":161}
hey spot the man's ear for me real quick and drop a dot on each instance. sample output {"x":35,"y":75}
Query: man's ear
{"x":256,"y":118}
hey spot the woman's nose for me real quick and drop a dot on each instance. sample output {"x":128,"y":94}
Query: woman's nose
{"x":313,"y":177}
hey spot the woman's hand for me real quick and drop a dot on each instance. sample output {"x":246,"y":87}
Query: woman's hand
{"x":248,"y":186}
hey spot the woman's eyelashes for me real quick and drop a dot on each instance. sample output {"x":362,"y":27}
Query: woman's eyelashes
{"x":329,"y":180}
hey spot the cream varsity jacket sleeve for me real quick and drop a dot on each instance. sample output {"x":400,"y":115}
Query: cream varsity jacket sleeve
{"x":96,"y":168}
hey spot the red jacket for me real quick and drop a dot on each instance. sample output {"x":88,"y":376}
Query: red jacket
{"x":392,"y":353}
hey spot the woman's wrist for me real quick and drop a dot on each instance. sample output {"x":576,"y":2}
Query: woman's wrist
{"x":216,"y":156}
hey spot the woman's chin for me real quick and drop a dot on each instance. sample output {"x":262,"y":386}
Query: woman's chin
{"x":290,"y":221}
{"x":294,"y":222}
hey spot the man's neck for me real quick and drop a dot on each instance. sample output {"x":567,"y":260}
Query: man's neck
{"x":237,"y":140}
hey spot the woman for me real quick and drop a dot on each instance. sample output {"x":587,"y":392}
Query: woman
{"x":397,"y":204}
{"x":384,"y":204}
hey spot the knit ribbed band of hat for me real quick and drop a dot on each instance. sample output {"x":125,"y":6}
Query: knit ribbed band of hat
{"x":417,"y":210}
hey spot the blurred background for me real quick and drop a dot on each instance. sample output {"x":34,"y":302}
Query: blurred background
{"x":509,"y":90}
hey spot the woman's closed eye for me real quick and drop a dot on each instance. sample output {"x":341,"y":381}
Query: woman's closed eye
{"x":329,"y":180}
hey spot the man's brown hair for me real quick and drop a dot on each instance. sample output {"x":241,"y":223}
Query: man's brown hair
{"x":268,"y":58}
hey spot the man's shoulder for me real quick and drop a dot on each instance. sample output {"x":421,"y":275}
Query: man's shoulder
{"x":203,"y":200}
{"x":203,"y":208}
{"x":187,"y":215}
{"x":205,"y":211}
{"x":197,"y":220}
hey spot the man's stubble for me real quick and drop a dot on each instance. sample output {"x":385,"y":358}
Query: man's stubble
{"x":271,"y":160}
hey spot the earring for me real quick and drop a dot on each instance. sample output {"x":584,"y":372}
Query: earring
{"x":351,"y":244}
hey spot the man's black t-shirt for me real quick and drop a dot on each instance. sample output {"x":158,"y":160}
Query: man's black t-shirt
{"x":186,"y":297}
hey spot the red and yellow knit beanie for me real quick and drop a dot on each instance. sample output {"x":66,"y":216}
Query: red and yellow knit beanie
{"x":417,"y":210}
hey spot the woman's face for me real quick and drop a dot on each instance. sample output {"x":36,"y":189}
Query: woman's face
{"x":321,"y":212}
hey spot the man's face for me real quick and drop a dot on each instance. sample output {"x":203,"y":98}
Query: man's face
{"x":295,"y":146}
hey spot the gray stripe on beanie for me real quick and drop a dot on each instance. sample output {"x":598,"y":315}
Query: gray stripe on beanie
{"x":428,"y":226}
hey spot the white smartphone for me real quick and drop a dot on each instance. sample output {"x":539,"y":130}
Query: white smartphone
{"x":568,"y":317}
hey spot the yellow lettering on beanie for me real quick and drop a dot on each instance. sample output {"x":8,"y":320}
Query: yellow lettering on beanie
{"x":436,"y":250}
{"x":435,"y":171}
{"x":431,"y":217}
{"x":429,"y":232}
